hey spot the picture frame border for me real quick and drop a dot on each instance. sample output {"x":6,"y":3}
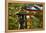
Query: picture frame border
{"x":6,"y":16}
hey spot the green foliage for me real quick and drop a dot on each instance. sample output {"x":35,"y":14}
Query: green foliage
{"x":13,"y":22}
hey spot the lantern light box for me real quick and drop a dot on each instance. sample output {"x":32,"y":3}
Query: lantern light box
{"x":25,"y":16}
